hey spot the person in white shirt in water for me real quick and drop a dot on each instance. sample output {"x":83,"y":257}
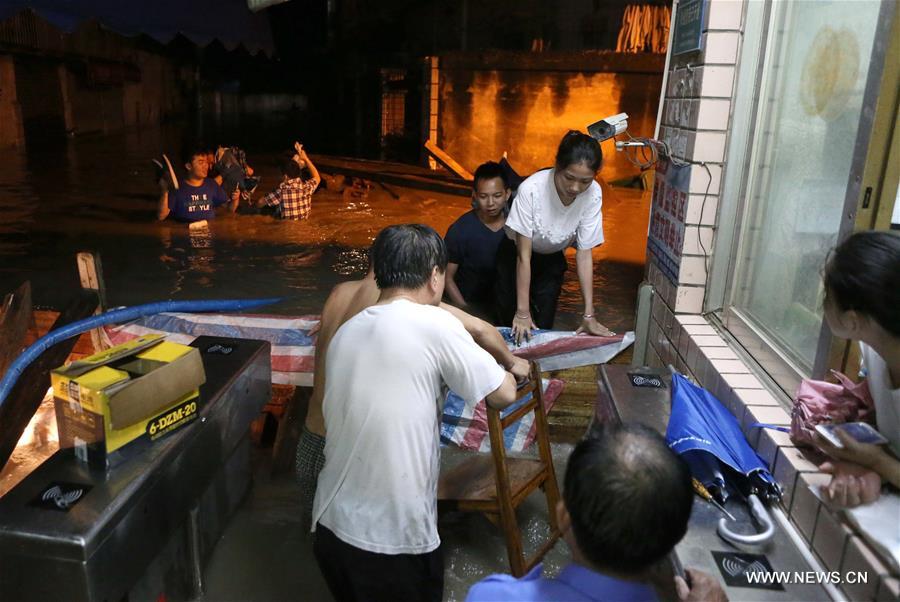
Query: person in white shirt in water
{"x":554,"y":209}
{"x":375,"y":510}
{"x":862,"y":303}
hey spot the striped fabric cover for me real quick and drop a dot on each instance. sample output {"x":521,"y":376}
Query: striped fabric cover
{"x":466,"y":426}
{"x":293,"y":355}
{"x":293,"y":350}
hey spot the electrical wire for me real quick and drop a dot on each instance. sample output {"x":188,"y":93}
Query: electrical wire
{"x":700,"y":236}
{"x":656,"y":149}
{"x":637,"y":153}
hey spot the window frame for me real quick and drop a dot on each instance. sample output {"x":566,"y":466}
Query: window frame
{"x":753,"y":72}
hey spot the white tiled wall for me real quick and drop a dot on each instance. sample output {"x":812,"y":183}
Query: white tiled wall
{"x":695,"y":120}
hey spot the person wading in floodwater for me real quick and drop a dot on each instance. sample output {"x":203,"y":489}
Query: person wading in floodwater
{"x":197,"y":196}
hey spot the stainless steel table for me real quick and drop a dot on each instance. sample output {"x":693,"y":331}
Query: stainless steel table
{"x":145,"y":527}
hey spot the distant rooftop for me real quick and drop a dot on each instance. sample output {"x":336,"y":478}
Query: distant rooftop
{"x":201,"y":21}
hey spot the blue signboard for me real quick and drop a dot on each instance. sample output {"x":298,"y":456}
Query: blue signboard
{"x":665,"y":238}
{"x":688,"y":34}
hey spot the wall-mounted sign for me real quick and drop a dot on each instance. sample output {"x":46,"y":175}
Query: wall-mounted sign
{"x":666,"y":237}
{"x":688,"y":33}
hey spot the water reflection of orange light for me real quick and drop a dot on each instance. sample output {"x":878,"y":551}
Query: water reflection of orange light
{"x":39,"y":441}
{"x":41,"y":430}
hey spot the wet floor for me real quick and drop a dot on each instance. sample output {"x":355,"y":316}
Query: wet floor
{"x":98,"y":194}
{"x":265,"y":555}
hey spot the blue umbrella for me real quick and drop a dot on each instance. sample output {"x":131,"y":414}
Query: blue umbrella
{"x":710,"y":440}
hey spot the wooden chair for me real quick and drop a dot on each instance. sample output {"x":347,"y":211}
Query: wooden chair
{"x":496,"y":485}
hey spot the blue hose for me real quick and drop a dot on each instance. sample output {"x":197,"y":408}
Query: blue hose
{"x":125,"y":314}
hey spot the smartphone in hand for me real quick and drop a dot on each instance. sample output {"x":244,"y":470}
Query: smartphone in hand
{"x":860,"y":431}
{"x":677,"y":568}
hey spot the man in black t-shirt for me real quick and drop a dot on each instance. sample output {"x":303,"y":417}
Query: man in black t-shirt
{"x":473,"y":239}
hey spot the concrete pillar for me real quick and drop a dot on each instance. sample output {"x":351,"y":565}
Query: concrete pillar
{"x":12,"y":132}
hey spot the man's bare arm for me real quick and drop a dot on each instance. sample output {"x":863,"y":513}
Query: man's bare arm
{"x":503,"y":395}
{"x":450,"y":285}
{"x":312,"y":168}
{"x":489,"y":339}
{"x":315,"y":421}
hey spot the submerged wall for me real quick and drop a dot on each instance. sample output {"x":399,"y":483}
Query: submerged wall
{"x":524,"y":103}
{"x":11,"y":132}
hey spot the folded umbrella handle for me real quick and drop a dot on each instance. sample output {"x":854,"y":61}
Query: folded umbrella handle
{"x":760,"y":514}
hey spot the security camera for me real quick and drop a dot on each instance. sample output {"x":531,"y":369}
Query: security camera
{"x":608,"y":127}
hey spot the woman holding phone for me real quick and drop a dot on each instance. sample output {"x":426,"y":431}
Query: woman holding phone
{"x":862,"y":303}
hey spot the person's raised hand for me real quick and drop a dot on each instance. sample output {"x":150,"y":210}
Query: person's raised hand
{"x":592,"y":326}
{"x":703,"y":587}
{"x":851,"y":484}
{"x":522,"y":327}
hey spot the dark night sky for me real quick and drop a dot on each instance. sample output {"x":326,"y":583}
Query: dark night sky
{"x":200,"y":20}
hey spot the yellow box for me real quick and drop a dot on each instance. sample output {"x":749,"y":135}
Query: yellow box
{"x":117,"y":402}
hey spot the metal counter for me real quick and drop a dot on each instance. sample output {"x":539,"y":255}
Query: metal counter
{"x":618,"y":398}
{"x":142,"y":528}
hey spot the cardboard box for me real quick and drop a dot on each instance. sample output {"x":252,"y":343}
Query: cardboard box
{"x":117,"y":402}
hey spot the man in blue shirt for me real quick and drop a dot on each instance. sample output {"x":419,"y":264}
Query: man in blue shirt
{"x":626,"y":504}
{"x":197,"y":196}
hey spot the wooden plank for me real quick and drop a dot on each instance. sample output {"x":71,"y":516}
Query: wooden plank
{"x":14,"y":320}
{"x":90,"y":273}
{"x":447,"y":161}
{"x":408,"y":176}
{"x":475,"y":479}
{"x":42,"y":322}
{"x":23,"y":401}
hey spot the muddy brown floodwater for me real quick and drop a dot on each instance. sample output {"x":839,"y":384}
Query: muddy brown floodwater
{"x":98,"y":194}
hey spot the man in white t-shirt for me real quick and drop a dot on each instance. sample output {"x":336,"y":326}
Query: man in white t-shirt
{"x":375,"y":511}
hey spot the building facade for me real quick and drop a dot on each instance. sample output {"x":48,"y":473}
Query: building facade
{"x":780,"y":120}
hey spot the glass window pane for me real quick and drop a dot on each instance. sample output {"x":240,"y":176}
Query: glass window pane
{"x":815,"y":76}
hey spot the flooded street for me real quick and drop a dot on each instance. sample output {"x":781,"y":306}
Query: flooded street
{"x":97,"y":193}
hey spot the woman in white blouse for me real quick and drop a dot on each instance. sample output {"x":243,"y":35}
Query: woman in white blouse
{"x":554,"y":209}
{"x":862,"y":303}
